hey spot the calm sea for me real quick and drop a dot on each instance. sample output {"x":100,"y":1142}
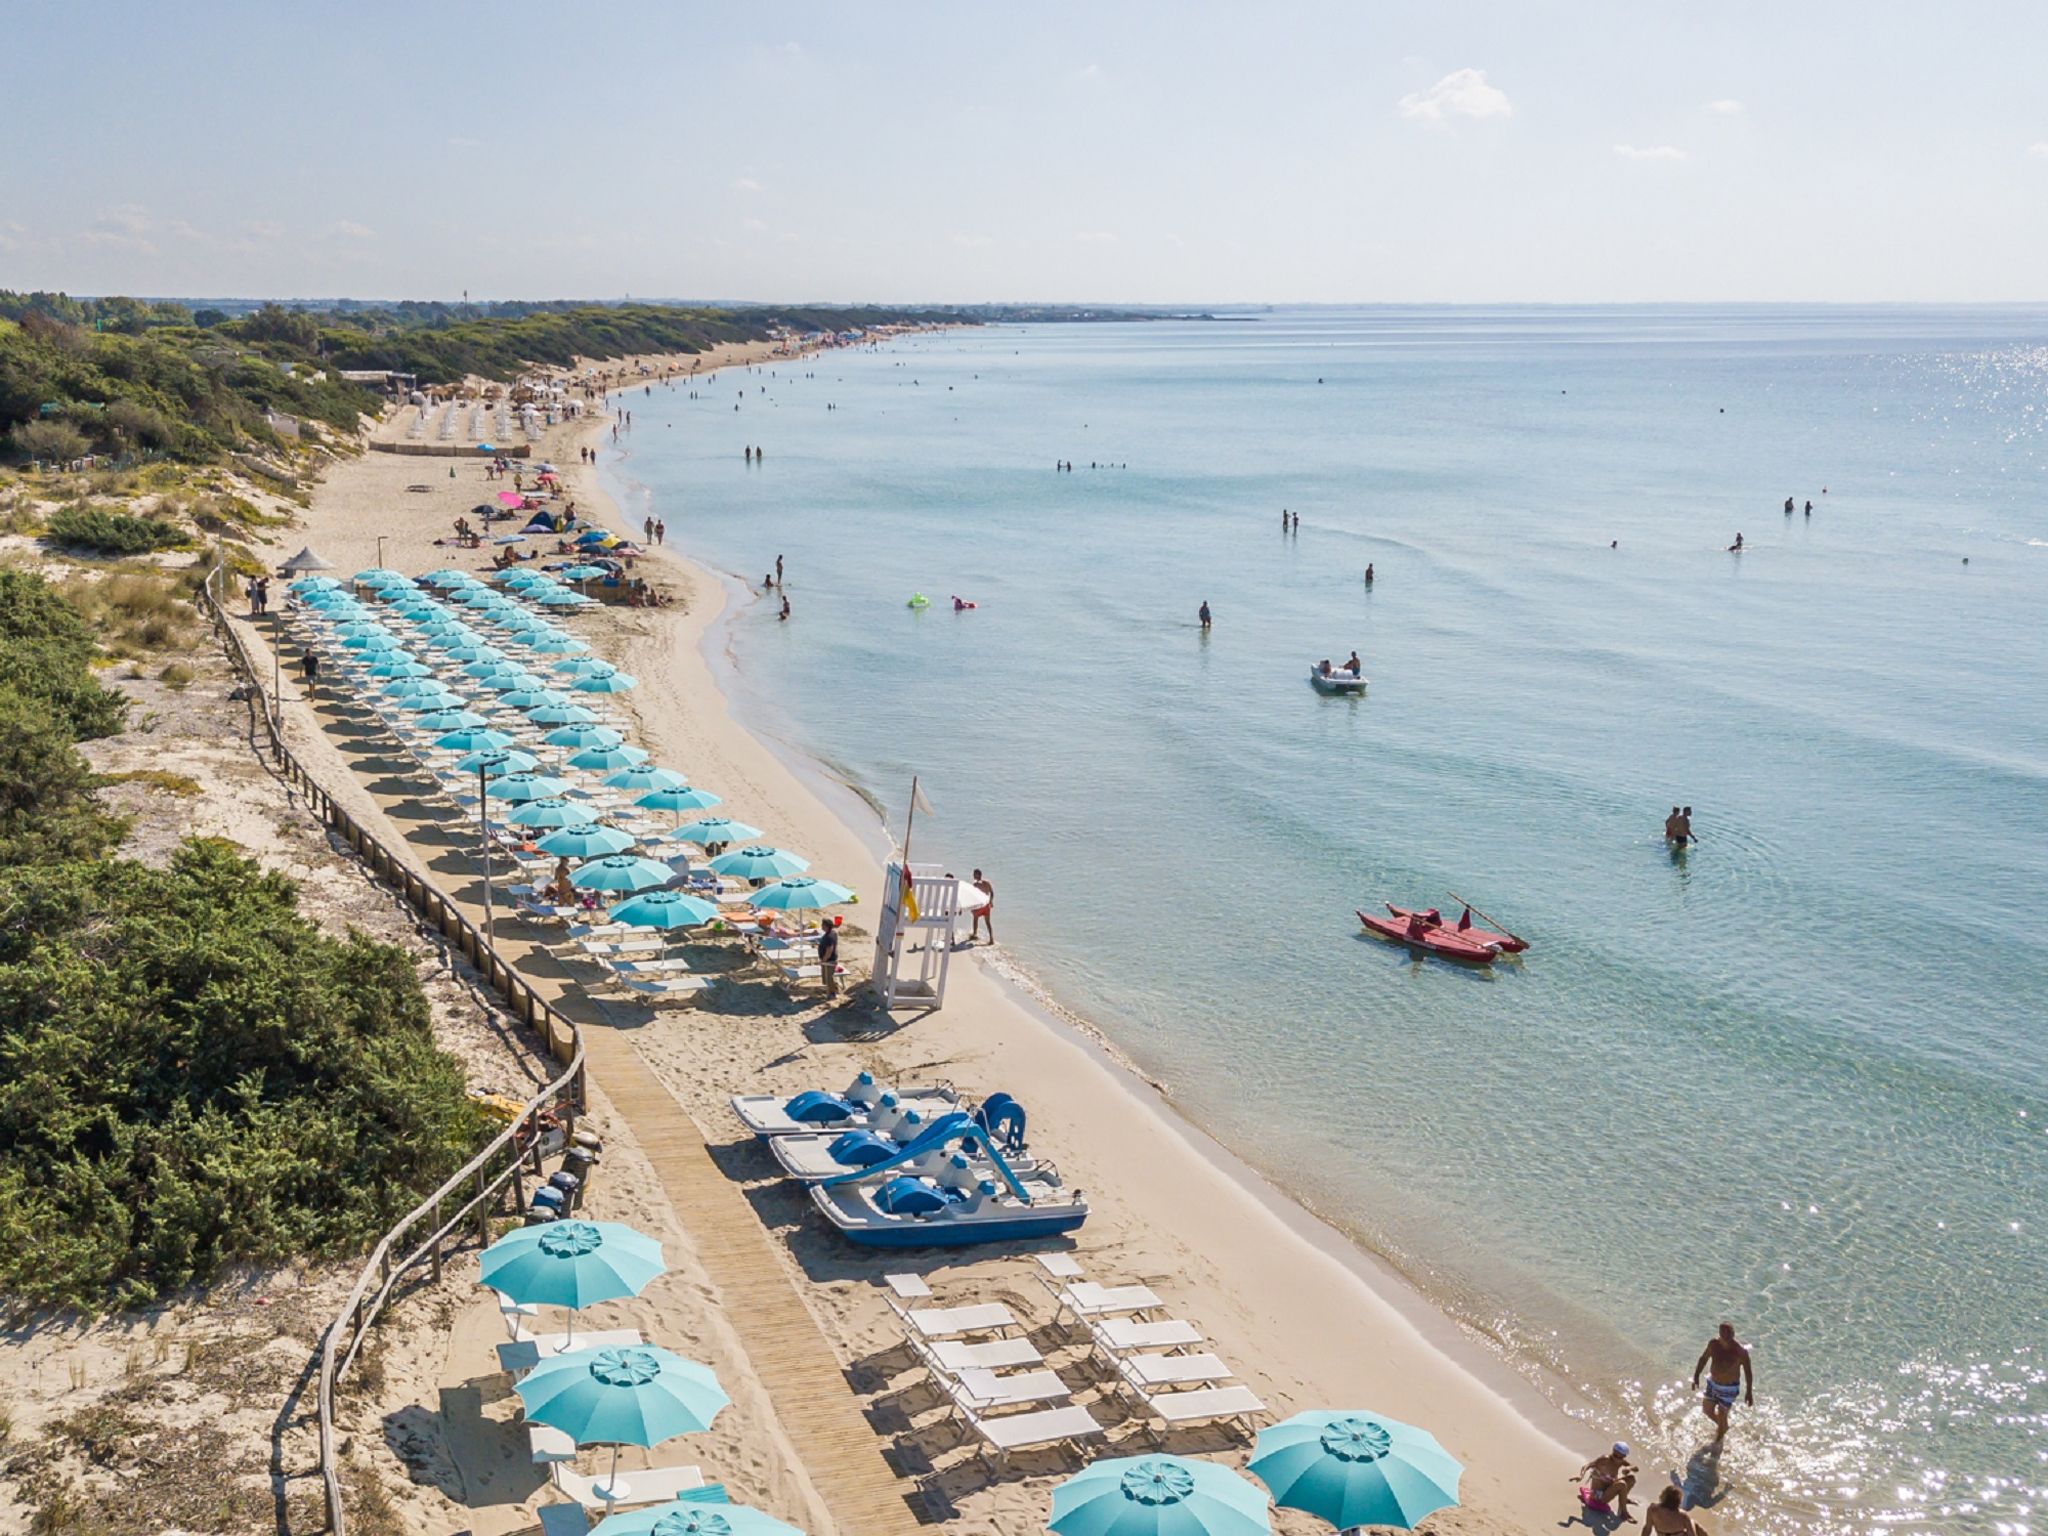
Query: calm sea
{"x":1797,"y":1077}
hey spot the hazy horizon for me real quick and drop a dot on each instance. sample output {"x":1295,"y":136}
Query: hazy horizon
{"x":1404,"y":152}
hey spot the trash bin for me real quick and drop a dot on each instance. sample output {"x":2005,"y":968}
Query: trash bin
{"x":570,"y":1188}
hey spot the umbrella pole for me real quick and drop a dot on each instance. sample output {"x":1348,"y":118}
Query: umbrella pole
{"x":483,"y":815}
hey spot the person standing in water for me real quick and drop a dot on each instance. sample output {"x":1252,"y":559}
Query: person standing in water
{"x":986,"y":912}
{"x":778,"y":570}
{"x":1368,"y":573}
{"x":1203,"y":613}
{"x":1726,"y":1363}
{"x":1672,"y":823}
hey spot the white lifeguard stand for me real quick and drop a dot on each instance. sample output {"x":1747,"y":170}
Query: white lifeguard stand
{"x":912,"y":954}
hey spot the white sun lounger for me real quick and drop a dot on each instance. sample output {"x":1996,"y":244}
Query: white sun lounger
{"x":1007,"y":1432}
{"x":516,"y":1314}
{"x":652,"y":1485}
{"x":549,"y":1445}
{"x":1151,"y":1371}
{"x":952,"y":1322}
{"x":522,"y":1355}
{"x":674,"y":989}
{"x":1207,"y":1405}
{"x":982,"y":1389}
{"x":996,"y":1354}
{"x":1085,"y":1299}
{"x":1117,"y":1335}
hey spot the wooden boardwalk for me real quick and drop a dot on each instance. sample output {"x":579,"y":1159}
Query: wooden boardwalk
{"x":837,"y":1446}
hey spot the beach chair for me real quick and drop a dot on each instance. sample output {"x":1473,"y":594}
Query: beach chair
{"x":1120,"y":1335}
{"x":982,"y":1389}
{"x":929,"y":1323}
{"x":794,"y":976}
{"x":996,"y":1354}
{"x":549,"y":1445}
{"x":515,"y":1315}
{"x":1086,"y":1300}
{"x":1207,"y":1405}
{"x":666,"y":989}
{"x":1008,"y":1432}
{"x":652,"y":1485}
{"x":521,"y":1355}
{"x":1152,"y":1371}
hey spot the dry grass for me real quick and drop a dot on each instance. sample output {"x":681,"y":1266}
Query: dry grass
{"x":136,"y":610}
{"x":157,"y":778}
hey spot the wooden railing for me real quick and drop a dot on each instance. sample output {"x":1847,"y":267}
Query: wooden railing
{"x":463,"y":1206}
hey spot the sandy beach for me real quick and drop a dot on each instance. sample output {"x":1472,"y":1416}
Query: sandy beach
{"x":1307,"y":1320}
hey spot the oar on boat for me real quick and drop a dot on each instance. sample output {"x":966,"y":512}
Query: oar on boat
{"x":1503,"y":927}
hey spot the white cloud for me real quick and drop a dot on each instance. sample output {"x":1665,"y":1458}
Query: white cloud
{"x":1094,"y":237}
{"x":263,"y":230}
{"x":1461,"y":93}
{"x":1649,"y":152}
{"x":971,"y":242}
{"x":2039,"y":151}
{"x":349,"y":229}
{"x":1088,"y":72}
{"x":755,"y":226}
{"x":746,"y":184}
{"x":1727,"y":106}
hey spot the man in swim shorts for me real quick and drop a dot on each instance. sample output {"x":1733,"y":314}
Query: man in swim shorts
{"x":1671,"y":826}
{"x":986,"y":912}
{"x":1606,"y":1482}
{"x":1726,"y":1363}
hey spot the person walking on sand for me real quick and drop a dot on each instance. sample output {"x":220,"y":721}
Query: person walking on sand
{"x":1666,"y":1518}
{"x":1203,"y":613}
{"x":986,"y":912}
{"x":1729,"y":1375}
{"x":1606,"y":1481}
{"x":309,"y":669}
{"x":660,"y":531}
{"x":647,"y":528}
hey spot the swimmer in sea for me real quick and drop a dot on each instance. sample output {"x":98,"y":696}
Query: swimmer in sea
{"x":1202,"y":613}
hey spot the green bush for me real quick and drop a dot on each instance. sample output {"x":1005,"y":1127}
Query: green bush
{"x":46,"y":654}
{"x":198,"y":1076}
{"x":112,"y":533}
{"x":49,"y":807}
{"x":50,"y":441}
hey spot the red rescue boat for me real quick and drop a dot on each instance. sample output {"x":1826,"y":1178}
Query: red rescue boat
{"x":1419,"y":932}
{"x":1466,"y":929}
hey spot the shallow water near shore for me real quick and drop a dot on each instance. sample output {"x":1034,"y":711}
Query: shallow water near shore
{"x":1795,"y":1077}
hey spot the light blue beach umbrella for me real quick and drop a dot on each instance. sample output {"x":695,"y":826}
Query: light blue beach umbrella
{"x":497,"y":762}
{"x":313,"y":584}
{"x":552,"y":812}
{"x":412,"y":687}
{"x":574,"y":737}
{"x":584,"y":573}
{"x":529,"y":786}
{"x":663,"y":909}
{"x":688,"y":1518}
{"x":447,"y":579}
{"x":381,"y":576}
{"x":679,"y":798}
{"x":584,"y":666}
{"x":604,"y":758}
{"x":716,"y":829}
{"x":620,"y":872}
{"x":605,"y":682}
{"x":533,"y":697}
{"x":453,"y":720}
{"x":331,"y":600}
{"x":592,"y":842}
{"x":562,"y":714}
{"x":478,"y":658}
{"x":552,"y":644}
{"x":426,"y":703}
{"x":571,"y":1264}
{"x":638,"y":1395}
{"x":470,"y":738}
{"x":799,"y":893}
{"x":644,"y":776}
{"x":519,"y":681}
{"x":399,"y":664}
{"x":1158,"y":1496}
{"x":1349,"y":1467}
{"x":562,"y":597}
{"x":355,"y":627}
{"x":760,"y":862}
{"x":370,"y":645}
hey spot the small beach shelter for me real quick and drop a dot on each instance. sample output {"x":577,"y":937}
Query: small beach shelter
{"x":306,"y":560}
{"x":760,"y":862}
{"x":638,"y":1395}
{"x":1158,"y":1496}
{"x":1350,"y":1467}
{"x":689,"y":1518}
{"x":799,"y":893}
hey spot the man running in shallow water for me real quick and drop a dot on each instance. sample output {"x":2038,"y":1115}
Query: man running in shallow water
{"x":1726,"y":1363}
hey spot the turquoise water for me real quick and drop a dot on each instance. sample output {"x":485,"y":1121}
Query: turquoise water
{"x":1797,"y":1078}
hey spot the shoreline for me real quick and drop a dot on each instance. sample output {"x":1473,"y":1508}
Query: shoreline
{"x":1458,"y":1348}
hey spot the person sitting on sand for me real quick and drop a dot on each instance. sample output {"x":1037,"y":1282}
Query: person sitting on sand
{"x":1606,"y":1481}
{"x":1666,"y":1518}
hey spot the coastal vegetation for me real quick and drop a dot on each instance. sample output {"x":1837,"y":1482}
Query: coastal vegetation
{"x":192,"y":1073}
{"x":128,"y":378}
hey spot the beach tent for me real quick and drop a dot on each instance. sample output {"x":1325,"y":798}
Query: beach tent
{"x":306,"y":560}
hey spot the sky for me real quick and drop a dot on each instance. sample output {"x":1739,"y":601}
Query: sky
{"x":1414,"y":151}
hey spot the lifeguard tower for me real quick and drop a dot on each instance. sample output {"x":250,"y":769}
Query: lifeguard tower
{"x":914,"y":944}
